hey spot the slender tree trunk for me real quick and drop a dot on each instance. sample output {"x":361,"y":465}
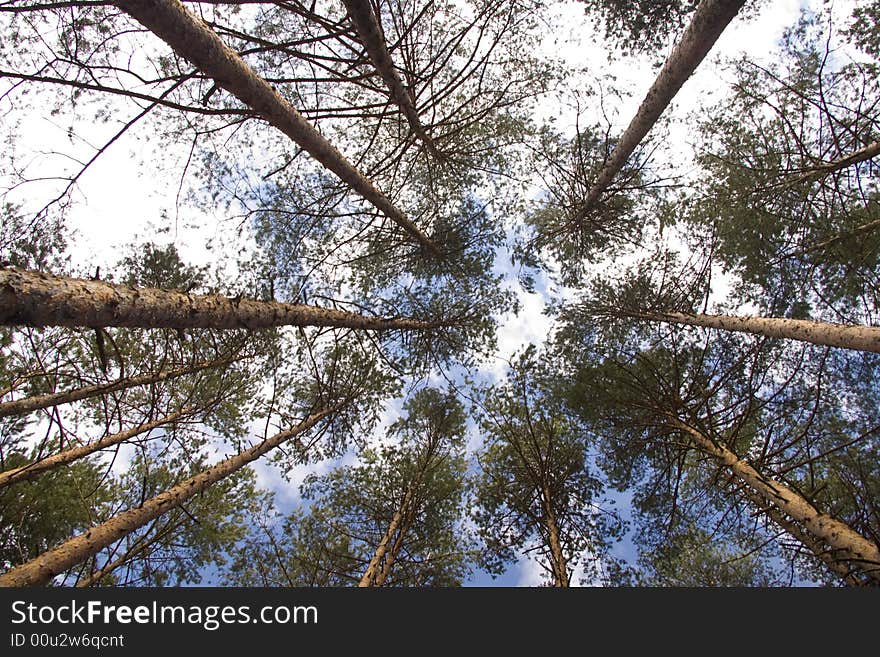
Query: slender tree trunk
{"x":31,"y":404}
{"x":557,"y":557}
{"x":42,"y":569}
{"x":192,"y":39}
{"x":707,"y":24}
{"x":852,"y":546}
{"x":33,"y":470}
{"x":847,"y":336}
{"x":370,"y":33}
{"x":391,"y":555}
{"x":815,"y":546}
{"x":821,"y":170}
{"x":373,"y":569}
{"x":37,"y":299}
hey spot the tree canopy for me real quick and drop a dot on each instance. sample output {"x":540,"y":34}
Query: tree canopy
{"x":433,"y":293}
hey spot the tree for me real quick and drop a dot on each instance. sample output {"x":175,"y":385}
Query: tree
{"x":535,"y":491}
{"x":767,"y":419}
{"x":786,"y":198}
{"x":36,"y":515}
{"x":394,"y":519}
{"x":179,"y":546}
{"x":708,"y":22}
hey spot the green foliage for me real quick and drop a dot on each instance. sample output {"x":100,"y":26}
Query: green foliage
{"x":31,"y":242}
{"x":37,"y":515}
{"x":418,"y":478}
{"x":181,"y":545}
{"x":565,"y":232}
{"x":642,"y":25}
{"x":693,"y":557}
{"x":534,"y":466}
{"x":865,"y":28}
{"x":797,"y":244}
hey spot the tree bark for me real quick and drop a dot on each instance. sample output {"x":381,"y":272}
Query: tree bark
{"x":821,"y":170}
{"x":852,"y":546}
{"x":370,"y":33}
{"x":42,"y":569}
{"x":557,"y":557}
{"x":815,"y":546}
{"x":31,"y":404}
{"x":847,"y":336}
{"x":192,"y":39}
{"x":373,"y":571}
{"x":33,"y":470}
{"x":37,"y":299}
{"x":145,"y":545}
{"x":391,"y":555}
{"x":708,"y":22}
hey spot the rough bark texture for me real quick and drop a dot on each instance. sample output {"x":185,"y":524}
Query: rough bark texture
{"x":707,"y":24}
{"x":849,"y":544}
{"x":36,"y":299}
{"x":370,"y":33}
{"x":31,"y":404}
{"x":557,"y":557}
{"x":192,"y":39}
{"x":847,"y":336}
{"x":41,"y":570}
{"x":33,"y":470}
{"x":811,"y":543}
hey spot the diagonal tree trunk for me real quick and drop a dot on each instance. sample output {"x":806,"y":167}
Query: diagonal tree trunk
{"x":373,"y":570}
{"x":31,"y":404}
{"x":192,"y":39}
{"x":139,"y":548}
{"x":851,"y":546}
{"x":707,"y":24}
{"x":391,"y":555}
{"x":370,"y":33}
{"x":847,"y":336}
{"x":33,"y":470}
{"x":557,"y":557}
{"x":42,"y":569}
{"x":819,"y":171}
{"x":810,"y":542}
{"x":37,"y":299}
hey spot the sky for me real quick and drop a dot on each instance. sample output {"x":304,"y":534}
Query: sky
{"x":131,"y":190}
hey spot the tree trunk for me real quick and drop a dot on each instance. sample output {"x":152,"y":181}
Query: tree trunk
{"x":815,"y":546}
{"x":33,"y":470}
{"x":391,"y":555}
{"x":821,"y":170}
{"x":31,"y":404}
{"x":42,"y":569}
{"x":370,"y":33}
{"x":373,"y":571}
{"x":847,"y":336}
{"x":707,"y":24}
{"x":557,"y":557}
{"x":37,"y":299}
{"x":192,"y":39}
{"x":140,"y":548}
{"x":852,"y":546}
